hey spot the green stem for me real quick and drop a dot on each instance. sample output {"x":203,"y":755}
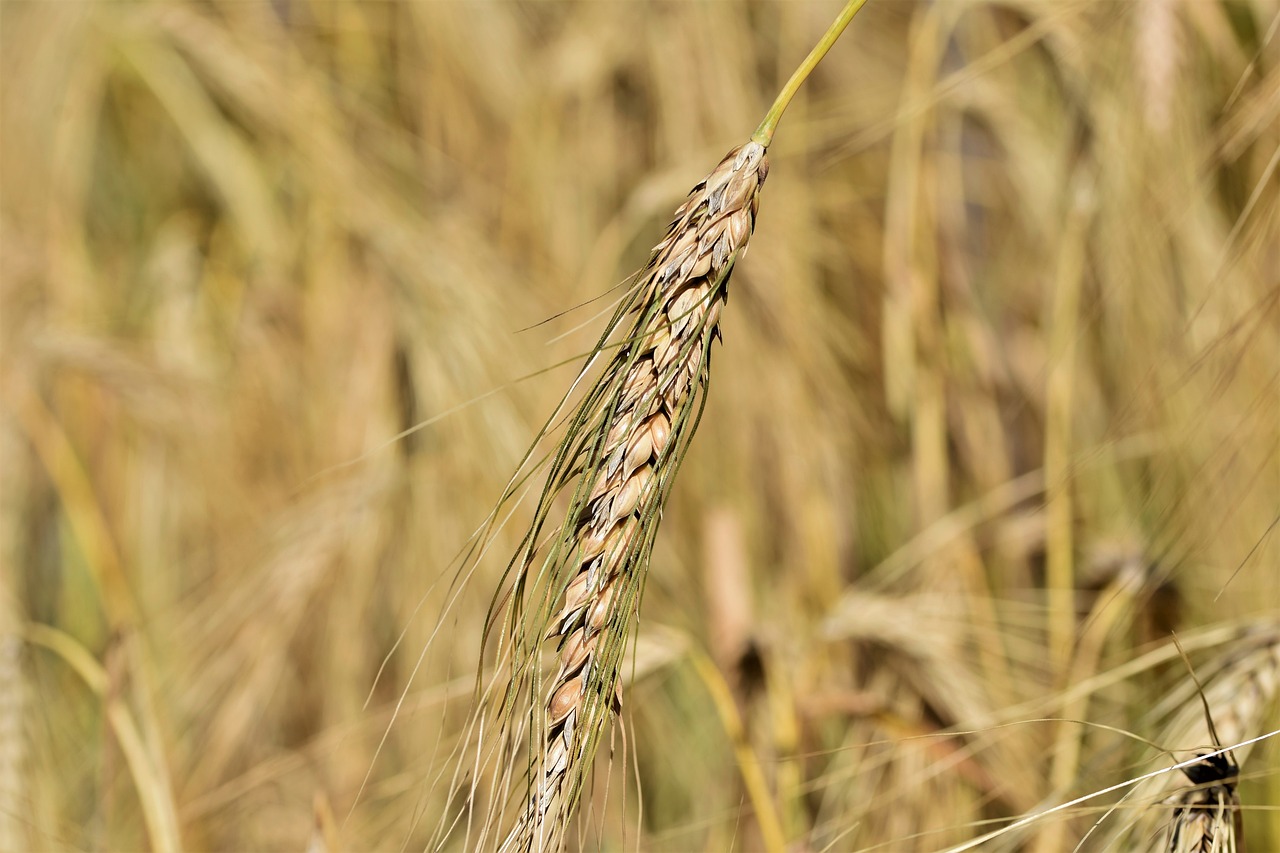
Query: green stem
{"x":764,"y":133}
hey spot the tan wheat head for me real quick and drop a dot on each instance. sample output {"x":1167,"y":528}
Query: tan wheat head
{"x":1206,"y":818}
{"x":1241,"y":692}
{"x":623,"y":445}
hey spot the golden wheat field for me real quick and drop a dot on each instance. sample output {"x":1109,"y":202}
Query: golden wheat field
{"x":288,"y":288}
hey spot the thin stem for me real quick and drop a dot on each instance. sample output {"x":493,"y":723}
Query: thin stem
{"x":764,"y":133}
{"x":748,"y":762}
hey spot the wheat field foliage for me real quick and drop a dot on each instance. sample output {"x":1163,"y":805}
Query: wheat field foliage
{"x":288,"y":289}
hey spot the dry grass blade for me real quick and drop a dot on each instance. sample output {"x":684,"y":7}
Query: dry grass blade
{"x":620,"y":453}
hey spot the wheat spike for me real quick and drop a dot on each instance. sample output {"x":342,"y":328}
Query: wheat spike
{"x":1240,"y":691}
{"x":1206,"y":818}
{"x":625,"y":442}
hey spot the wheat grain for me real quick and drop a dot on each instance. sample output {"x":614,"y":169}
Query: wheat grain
{"x":624,"y":445}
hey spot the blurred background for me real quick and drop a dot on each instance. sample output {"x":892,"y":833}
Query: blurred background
{"x":997,"y":409}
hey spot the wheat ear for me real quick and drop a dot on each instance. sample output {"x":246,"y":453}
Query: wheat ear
{"x":631,"y":431}
{"x":1207,"y":816}
{"x":623,"y":445}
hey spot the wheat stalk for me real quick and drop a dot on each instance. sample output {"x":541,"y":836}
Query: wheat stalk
{"x":580,"y":585}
